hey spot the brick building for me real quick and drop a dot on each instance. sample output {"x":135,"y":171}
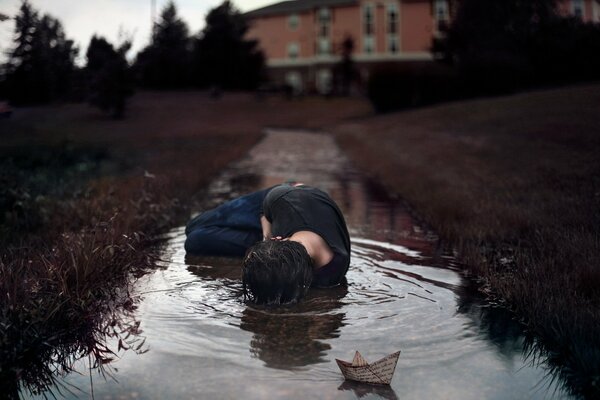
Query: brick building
{"x":302,"y":39}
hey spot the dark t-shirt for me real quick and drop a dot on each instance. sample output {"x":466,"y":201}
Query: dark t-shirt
{"x":291,"y":209}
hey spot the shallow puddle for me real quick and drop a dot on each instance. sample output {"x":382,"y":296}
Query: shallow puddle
{"x":202,"y":341}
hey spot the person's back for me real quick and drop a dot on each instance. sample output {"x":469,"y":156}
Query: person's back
{"x":292,"y":209}
{"x":308,"y":216}
{"x":305,"y":240}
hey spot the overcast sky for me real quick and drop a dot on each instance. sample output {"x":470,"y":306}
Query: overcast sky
{"x":83,"y":18}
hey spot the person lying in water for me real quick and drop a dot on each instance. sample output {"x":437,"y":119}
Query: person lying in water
{"x":292,"y":237}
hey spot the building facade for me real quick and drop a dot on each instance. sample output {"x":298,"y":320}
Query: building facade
{"x":303,"y":39}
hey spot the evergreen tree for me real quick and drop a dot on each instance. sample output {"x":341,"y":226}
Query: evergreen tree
{"x":345,"y":71}
{"x":502,"y":45}
{"x":499,"y":26}
{"x":165,"y":62}
{"x":222,"y":56}
{"x":108,"y":75}
{"x":42,"y":62}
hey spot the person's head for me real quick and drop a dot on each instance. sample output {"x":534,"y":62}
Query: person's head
{"x":277,"y":272}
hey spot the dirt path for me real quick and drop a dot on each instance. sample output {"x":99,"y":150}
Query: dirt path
{"x":308,"y":157}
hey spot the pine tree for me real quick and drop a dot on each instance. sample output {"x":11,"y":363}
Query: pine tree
{"x":165,"y":62}
{"x":108,"y":75}
{"x":222,"y":55}
{"x":492,"y":41}
{"x":42,"y":62}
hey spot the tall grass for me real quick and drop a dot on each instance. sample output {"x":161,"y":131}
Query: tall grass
{"x":512,"y":186}
{"x":67,"y":269}
{"x":82,"y":200}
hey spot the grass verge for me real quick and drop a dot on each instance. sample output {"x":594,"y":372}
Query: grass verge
{"x":512,"y":184}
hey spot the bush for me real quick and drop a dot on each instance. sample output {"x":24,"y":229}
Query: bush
{"x":412,"y":85}
{"x":566,"y":50}
{"x":494,"y":73}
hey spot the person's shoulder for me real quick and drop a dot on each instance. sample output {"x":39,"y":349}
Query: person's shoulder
{"x":277,"y":192}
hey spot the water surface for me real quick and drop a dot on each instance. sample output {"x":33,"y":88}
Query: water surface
{"x":403,"y":293}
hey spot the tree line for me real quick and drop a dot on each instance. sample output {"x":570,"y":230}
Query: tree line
{"x":493,"y":46}
{"x":502,"y":46}
{"x":41,"y":64}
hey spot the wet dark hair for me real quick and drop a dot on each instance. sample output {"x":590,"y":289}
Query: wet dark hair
{"x":276,"y":272}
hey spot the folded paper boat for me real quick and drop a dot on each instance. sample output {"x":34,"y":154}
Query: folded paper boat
{"x":380,"y":372}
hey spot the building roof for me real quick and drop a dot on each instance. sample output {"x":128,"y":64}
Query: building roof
{"x":294,"y":6}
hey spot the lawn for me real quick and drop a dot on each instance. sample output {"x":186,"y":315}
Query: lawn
{"x":512,"y":186}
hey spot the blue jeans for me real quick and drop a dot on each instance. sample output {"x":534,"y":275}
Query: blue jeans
{"x":228,"y":230}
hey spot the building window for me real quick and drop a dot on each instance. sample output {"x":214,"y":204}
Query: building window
{"x":578,"y":8}
{"x":392,"y":18}
{"x":293,"y":21}
{"x":294,"y":80}
{"x":324,"y":79}
{"x":323,"y":22}
{"x":368,"y":28}
{"x":441,"y":10}
{"x":323,"y":46}
{"x":369,"y":44}
{"x":393,"y":44}
{"x":324,"y":15}
{"x":293,"y":50}
{"x":392,"y":27}
{"x":368,"y":20}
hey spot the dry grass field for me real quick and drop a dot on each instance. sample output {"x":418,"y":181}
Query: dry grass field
{"x":512,"y":185}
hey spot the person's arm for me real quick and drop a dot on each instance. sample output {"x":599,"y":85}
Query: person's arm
{"x":266,"y":227}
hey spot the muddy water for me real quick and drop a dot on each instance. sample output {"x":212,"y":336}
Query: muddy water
{"x":202,"y":341}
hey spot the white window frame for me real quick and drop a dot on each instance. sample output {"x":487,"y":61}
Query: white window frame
{"x":324,"y":81}
{"x":396,"y":42}
{"x":392,"y":37}
{"x":293,"y":22}
{"x":324,"y":15}
{"x":368,"y":41}
{"x":575,"y":4}
{"x":294,"y":79}
{"x":441,"y":4}
{"x":293,"y":55}
{"x":323,"y":46}
{"x":369,"y":44}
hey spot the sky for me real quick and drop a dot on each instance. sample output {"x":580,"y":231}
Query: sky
{"x":113,"y":19}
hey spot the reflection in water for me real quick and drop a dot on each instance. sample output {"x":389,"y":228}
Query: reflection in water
{"x":361,"y":390}
{"x":116,"y":324}
{"x":511,"y":339}
{"x":294,"y":337}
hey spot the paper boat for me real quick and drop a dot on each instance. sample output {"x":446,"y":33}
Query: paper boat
{"x":379,"y":373}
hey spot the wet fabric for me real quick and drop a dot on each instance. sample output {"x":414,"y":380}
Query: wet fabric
{"x":234,"y":226}
{"x":291,"y":209}
{"x":332,"y":273}
{"x":228,"y":230}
